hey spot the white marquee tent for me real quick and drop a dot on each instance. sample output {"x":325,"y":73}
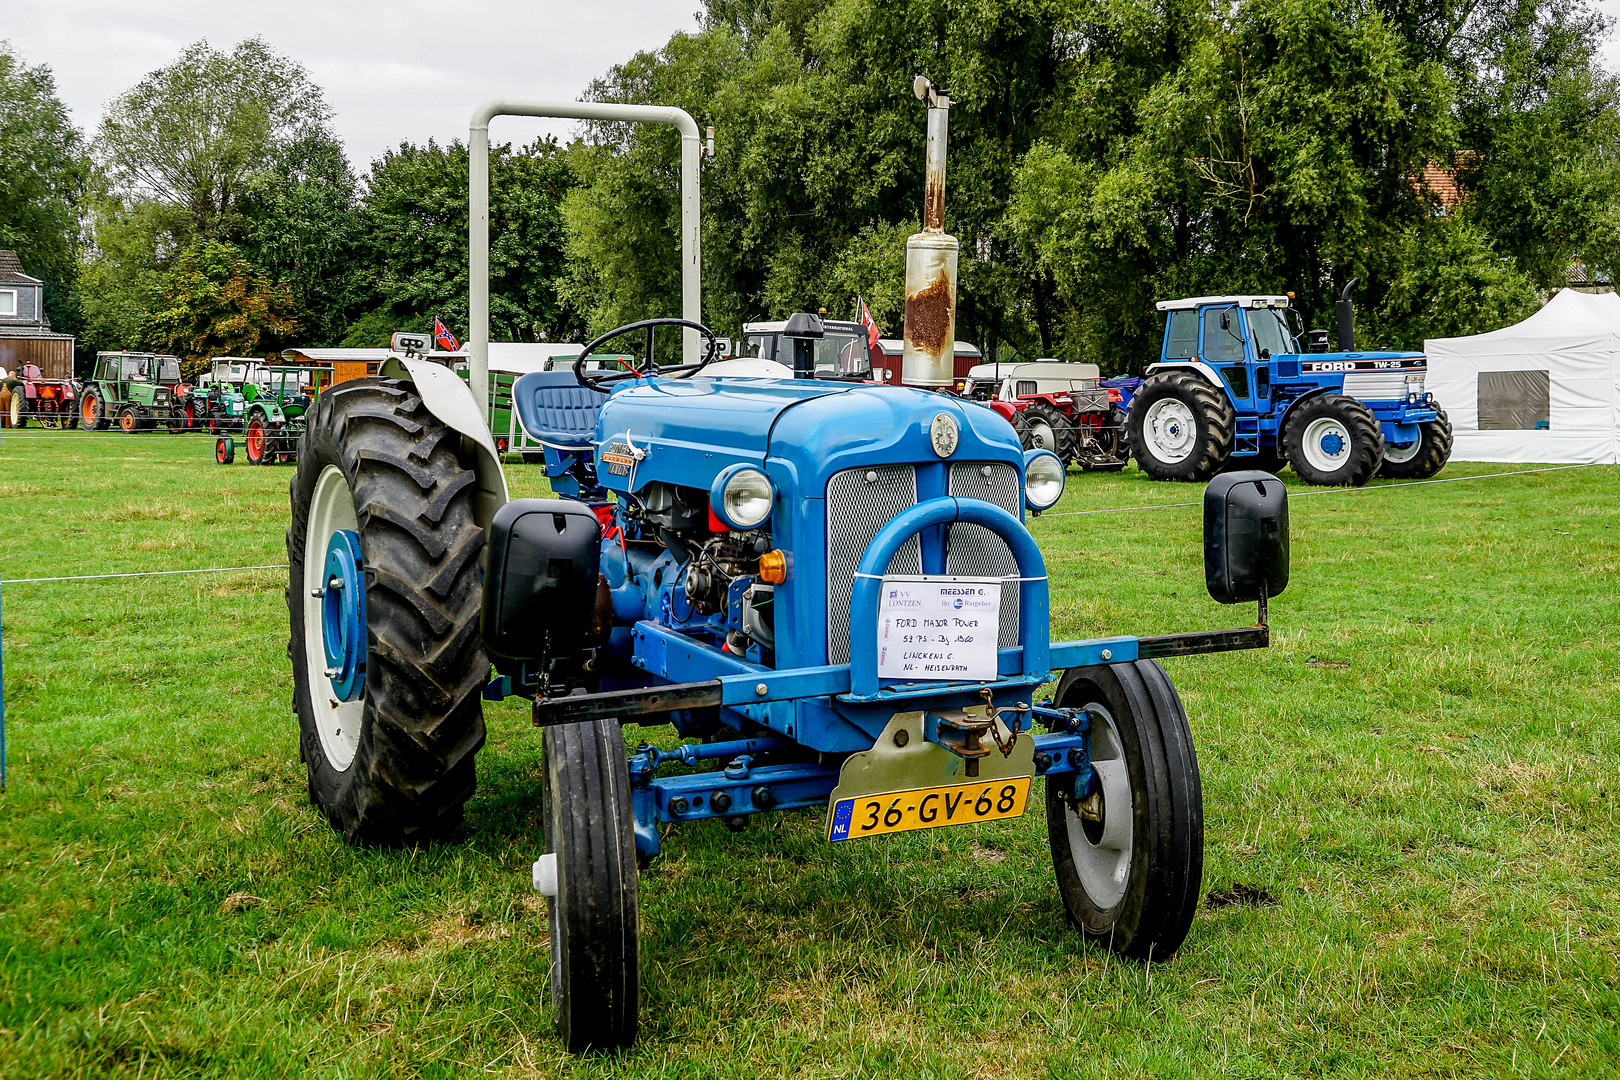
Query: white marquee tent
{"x":1545,"y":389}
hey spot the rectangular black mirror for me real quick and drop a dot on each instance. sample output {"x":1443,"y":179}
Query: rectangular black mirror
{"x":1245,"y":537}
{"x":540,"y":570}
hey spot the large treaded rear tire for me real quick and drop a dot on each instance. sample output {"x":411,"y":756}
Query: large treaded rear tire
{"x":1433,"y":451}
{"x":1139,"y":900}
{"x":1041,"y":418}
{"x":595,"y":934}
{"x":422,"y":718}
{"x":1359,"y":460}
{"x":1211,"y":438}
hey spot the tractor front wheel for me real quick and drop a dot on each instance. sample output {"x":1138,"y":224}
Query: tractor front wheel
{"x":1129,"y":850}
{"x":1180,"y":427}
{"x":1422,"y":459}
{"x":1334,"y":441}
{"x":224,"y":450}
{"x":128,"y":419}
{"x":590,"y":844}
{"x":383,"y":596}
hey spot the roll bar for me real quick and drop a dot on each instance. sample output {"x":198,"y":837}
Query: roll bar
{"x":478,"y":216}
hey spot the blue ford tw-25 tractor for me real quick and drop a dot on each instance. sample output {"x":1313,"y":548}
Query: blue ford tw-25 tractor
{"x":826,"y":589}
{"x":1232,"y":387}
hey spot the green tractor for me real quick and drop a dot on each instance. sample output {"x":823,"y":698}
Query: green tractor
{"x":133,"y":389}
{"x":215,"y":404}
{"x":273,"y":407}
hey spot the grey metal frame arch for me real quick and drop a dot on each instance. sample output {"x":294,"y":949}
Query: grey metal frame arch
{"x":478,"y":218}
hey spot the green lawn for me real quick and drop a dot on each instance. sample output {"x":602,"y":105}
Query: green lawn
{"x":1411,"y":803}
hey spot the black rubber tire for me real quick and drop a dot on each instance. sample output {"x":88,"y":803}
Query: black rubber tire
{"x":224,"y":450}
{"x":267,"y":443}
{"x":128,"y":419}
{"x":423,"y":717}
{"x":1020,"y":428}
{"x":95,"y":408}
{"x":1212,"y":416}
{"x":1366,"y":440}
{"x":1166,"y":866}
{"x":1434,"y":450}
{"x":534,"y":457}
{"x":595,"y":936}
{"x":1039,"y":413}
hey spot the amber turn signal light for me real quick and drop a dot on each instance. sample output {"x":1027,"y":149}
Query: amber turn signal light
{"x":773,"y":567}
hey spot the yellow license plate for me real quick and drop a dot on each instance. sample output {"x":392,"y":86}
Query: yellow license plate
{"x":928,"y":808}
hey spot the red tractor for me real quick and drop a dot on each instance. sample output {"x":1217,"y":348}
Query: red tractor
{"x":1065,"y":408}
{"x":52,"y":402}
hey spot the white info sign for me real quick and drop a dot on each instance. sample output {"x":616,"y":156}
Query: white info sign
{"x":939,"y":628}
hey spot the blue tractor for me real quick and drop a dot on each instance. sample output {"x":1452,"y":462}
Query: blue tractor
{"x":827,"y":590}
{"x":1233,"y":388}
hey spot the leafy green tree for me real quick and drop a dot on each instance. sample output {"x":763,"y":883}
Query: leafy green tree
{"x":42,"y":183}
{"x":301,"y":225}
{"x":217,"y":304}
{"x":413,"y":239}
{"x":192,"y":136}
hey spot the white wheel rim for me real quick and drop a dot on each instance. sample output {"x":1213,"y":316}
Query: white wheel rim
{"x":1400,"y":455}
{"x":1321,"y":450}
{"x":1102,"y":856}
{"x":337,"y":722}
{"x":1041,"y":436}
{"x":1171,"y":430}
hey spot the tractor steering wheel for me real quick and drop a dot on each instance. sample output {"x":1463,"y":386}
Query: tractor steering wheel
{"x":650,"y":368}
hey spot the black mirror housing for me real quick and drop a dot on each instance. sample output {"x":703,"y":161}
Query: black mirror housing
{"x":1245,"y":537}
{"x":541,"y":562}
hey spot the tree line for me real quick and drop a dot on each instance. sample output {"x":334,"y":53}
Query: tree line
{"x":1104,"y":154}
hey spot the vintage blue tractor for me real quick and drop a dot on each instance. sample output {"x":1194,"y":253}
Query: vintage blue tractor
{"x":826,"y":589}
{"x":1233,"y":388}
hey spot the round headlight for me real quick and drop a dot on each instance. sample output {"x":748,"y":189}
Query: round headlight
{"x":741,"y":497}
{"x":1043,"y":479}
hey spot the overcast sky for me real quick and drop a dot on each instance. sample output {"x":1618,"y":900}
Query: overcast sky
{"x":392,"y":69}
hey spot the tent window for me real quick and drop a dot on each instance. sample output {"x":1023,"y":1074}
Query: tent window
{"x":1513,"y":401}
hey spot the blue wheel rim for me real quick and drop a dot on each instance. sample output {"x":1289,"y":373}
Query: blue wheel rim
{"x":343,"y":616}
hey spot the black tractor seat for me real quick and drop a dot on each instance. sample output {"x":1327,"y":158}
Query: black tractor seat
{"x":556,"y":411}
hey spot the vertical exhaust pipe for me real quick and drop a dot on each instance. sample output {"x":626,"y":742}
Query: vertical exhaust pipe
{"x":1347,"y":318}
{"x":929,"y":357}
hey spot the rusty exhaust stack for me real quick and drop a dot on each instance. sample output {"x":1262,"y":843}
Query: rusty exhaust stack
{"x":929,"y":359}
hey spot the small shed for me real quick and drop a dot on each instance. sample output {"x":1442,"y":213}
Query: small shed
{"x":886,"y":360}
{"x":1546,"y":389}
{"x":25,"y":330}
{"x":346,"y":364}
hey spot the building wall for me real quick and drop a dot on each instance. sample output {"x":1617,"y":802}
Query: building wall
{"x":28,"y":301}
{"x":53,"y":355}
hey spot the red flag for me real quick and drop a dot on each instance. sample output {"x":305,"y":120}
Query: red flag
{"x":443,"y":338}
{"x":870,"y":323}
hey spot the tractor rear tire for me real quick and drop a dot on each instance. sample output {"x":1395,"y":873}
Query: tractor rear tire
{"x":1333,"y":441}
{"x":595,"y":940}
{"x":1422,"y":460}
{"x":94,"y":411}
{"x":394,"y":765}
{"x":1180,"y":427}
{"x":1047,"y":428}
{"x":256,"y":440}
{"x":1131,"y":885}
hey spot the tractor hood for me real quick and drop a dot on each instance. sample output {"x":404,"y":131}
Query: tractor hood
{"x":684,"y":431}
{"x":1325,"y":363}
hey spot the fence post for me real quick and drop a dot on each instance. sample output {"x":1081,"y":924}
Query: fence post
{"x":2,"y":715}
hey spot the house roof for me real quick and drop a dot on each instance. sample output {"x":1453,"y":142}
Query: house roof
{"x":32,"y":331}
{"x":9,"y":261}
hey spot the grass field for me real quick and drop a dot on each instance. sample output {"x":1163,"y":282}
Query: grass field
{"x":1412,"y":810}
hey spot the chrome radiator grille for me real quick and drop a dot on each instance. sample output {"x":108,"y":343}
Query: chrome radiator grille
{"x":973,"y":550}
{"x":1377,"y":385}
{"x":859,"y":503}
